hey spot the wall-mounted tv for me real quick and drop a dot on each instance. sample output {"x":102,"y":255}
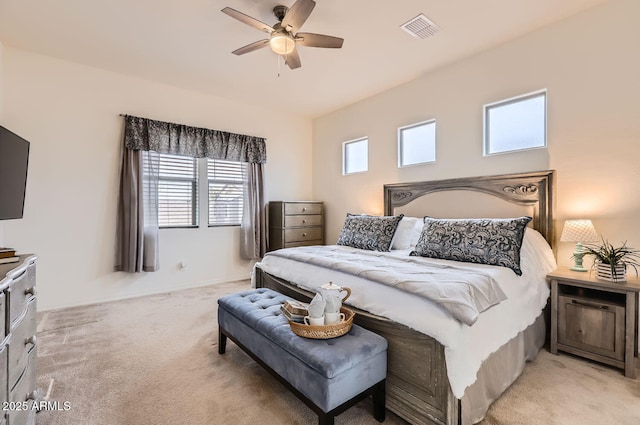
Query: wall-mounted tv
{"x":14,"y":159}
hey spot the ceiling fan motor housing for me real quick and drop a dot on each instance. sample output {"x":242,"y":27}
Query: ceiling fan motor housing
{"x":280,"y":11}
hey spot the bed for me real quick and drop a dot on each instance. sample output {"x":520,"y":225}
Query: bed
{"x":428,"y":381}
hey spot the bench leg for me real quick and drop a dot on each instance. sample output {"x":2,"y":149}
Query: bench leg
{"x":325,"y":419}
{"x":379,"y":401}
{"x":222,"y":341}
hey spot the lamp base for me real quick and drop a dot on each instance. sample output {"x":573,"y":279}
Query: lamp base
{"x":577,"y":256}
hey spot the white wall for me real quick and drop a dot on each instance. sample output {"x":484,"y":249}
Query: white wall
{"x":590,"y":65}
{"x":69,"y":113}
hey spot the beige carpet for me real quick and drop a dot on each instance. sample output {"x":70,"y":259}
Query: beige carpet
{"x":154,"y":361}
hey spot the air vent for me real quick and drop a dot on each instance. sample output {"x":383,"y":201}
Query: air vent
{"x":420,"y":27}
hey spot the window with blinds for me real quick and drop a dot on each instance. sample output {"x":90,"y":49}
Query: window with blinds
{"x":177,"y":191}
{"x":226,"y":186}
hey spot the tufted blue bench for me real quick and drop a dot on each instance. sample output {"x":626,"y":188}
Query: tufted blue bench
{"x":328,"y":375}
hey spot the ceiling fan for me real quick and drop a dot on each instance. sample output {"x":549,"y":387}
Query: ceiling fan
{"x":284,"y":35}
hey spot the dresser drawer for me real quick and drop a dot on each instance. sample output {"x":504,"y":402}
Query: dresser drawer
{"x":4,"y":350}
{"x":591,"y":325}
{"x":3,"y":316}
{"x":293,"y":208}
{"x":304,"y":234}
{"x":302,"y":220}
{"x":21,"y":290}
{"x":22,"y":342}
{"x":303,"y":243}
{"x":25,"y":391}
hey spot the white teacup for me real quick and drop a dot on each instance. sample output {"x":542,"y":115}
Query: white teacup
{"x":314,"y":321}
{"x":333,"y":318}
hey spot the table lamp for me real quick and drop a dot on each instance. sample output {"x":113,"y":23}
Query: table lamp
{"x":578,"y":231}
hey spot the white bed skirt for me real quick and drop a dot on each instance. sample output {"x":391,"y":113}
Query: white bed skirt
{"x":500,"y":370}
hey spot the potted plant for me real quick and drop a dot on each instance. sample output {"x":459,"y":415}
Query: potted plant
{"x":611,"y":263}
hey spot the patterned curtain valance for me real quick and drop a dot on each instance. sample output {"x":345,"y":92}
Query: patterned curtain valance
{"x":164,"y":137}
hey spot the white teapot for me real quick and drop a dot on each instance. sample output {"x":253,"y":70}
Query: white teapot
{"x":332,"y":295}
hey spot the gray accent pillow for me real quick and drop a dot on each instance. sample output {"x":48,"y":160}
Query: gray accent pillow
{"x":373,"y":233}
{"x":496,"y":241}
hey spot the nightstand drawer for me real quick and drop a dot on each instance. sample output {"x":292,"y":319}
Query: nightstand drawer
{"x":304,"y":234}
{"x":595,"y":326}
{"x":302,"y":220}
{"x":294,"y":208}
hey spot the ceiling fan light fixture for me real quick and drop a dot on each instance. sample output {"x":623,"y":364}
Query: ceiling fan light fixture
{"x":284,"y":36}
{"x":282,"y":43}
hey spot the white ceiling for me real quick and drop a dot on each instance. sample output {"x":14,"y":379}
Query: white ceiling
{"x":188,"y":43}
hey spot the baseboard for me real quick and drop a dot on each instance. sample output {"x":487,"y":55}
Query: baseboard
{"x":194,"y":285}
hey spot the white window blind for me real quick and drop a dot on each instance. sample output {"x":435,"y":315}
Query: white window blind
{"x":177,"y":191}
{"x":226,"y":187}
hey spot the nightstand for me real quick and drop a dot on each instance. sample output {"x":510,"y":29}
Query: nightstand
{"x":595,"y":319}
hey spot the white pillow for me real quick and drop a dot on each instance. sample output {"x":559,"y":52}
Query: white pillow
{"x":407,"y":233}
{"x":536,"y":256}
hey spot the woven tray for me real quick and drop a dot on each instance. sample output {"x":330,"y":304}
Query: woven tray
{"x":325,"y":331}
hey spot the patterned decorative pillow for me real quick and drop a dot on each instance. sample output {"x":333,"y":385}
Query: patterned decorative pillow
{"x":494,"y":241}
{"x":373,"y":233}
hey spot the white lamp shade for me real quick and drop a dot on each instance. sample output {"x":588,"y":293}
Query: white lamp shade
{"x":579,"y":231}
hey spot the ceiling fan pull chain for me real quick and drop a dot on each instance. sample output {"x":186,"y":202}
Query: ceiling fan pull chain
{"x":278,"y":64}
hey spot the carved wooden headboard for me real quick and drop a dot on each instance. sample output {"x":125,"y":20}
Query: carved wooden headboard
{"x":528,"y":189}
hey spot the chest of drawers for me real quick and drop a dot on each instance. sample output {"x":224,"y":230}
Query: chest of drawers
{"x":18,"y":347}
{"x":295,"y":223}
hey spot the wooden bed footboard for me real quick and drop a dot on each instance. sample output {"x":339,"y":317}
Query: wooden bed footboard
{"x":417,"y":386}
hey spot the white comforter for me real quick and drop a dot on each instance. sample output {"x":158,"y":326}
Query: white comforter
{"x":465,"y":346}
{"x":463,"y":291}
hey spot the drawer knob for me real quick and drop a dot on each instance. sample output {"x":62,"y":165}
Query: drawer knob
{"x":304,"y":234}
{"x":30,"y":291}
{"x":33,"y":395}
{"x":304,"y":221}
{"x":304,"y":209}
{"x":30,"y":340}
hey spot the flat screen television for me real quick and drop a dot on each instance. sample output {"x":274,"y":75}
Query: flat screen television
{"x":14,"y":159}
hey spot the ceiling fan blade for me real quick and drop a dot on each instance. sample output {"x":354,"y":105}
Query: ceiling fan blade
{"x":251,"y":47}
{"x":297,"y":14}
{"x":246,"y":19}
{"x":293,"y":59}
{"x":318,"y":40}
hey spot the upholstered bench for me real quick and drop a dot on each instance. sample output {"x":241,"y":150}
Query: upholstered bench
{"x":328,"y":375}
